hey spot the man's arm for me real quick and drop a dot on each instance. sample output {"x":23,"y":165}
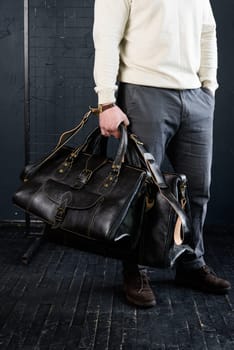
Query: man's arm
{"x":110,"y":18}
{"x":208,"y":66}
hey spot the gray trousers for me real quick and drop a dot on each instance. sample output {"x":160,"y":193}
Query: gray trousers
{"x":177,"y":124}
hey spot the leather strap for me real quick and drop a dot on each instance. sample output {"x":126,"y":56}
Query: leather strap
{"x":68,"y":135}
{"x":102,"y":108}
{"x":158,"y":178}
{"x":63,"y":140}
{"x":178,"y":232}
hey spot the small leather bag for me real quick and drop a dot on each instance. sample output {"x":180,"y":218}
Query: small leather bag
{"x":113,"y":203}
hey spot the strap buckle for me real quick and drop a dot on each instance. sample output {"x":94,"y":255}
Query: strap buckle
{"x":135,"y":139}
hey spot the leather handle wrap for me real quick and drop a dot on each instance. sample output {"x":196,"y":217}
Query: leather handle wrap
{"x":121,"y":149}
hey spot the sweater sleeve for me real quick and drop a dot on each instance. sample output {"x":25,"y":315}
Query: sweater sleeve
{"x":208,"y":65}
{"x":110,"y":18}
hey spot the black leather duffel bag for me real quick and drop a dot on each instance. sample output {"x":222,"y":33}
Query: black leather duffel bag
{"x":126,"y":208}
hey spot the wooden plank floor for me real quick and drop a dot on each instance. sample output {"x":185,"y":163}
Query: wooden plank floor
{"x":66,"y":299}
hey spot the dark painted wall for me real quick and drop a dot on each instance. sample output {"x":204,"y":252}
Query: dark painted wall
{"x":221,"y":208}
{"x":11,"y":102}
{"x":61,"y":56}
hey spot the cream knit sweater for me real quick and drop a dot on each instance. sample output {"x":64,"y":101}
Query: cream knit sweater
{"x":161,"y":43}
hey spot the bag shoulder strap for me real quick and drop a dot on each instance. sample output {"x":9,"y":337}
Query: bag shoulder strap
{"x":68,"y":135}
{"x":63,"y":140}
{"x":159,"y":180}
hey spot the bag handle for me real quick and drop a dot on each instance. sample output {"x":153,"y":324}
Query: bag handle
{"x":158,"y":178}
{"x":68,"y":135}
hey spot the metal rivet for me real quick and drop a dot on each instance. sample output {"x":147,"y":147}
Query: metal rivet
{"x":61,"y":171}
{"x":106,"y":185}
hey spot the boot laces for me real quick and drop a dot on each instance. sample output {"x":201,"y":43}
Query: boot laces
{"x":206,"y":270}
{"x":144,"y":280}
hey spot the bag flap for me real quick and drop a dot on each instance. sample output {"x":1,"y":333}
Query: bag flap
{"x":73,"y":198}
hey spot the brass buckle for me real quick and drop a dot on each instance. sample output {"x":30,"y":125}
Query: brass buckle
{"x":87,"y":173}
{"x":60,"y":214}
{"x":134,"y":138}
{"x":95,"y":110}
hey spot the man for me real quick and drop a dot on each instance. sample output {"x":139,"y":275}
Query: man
{"x":164,"y":56}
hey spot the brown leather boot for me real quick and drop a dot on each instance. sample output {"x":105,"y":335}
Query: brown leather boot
{"x":137,"y":288}
{"x":203,"y":279}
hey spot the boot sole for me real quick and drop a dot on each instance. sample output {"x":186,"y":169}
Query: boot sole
{"x":142,"y":304}
{"x":203,"y":289}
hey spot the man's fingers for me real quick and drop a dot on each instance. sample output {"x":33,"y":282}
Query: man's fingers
{"x":104,"y":132}
{"x":116,"y":134}
{"x":110,"y":120}
{"x":126,"y":121}
{"x":107,"y":133}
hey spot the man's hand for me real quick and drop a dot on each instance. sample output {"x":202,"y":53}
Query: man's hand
{"x":110,"y":120}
